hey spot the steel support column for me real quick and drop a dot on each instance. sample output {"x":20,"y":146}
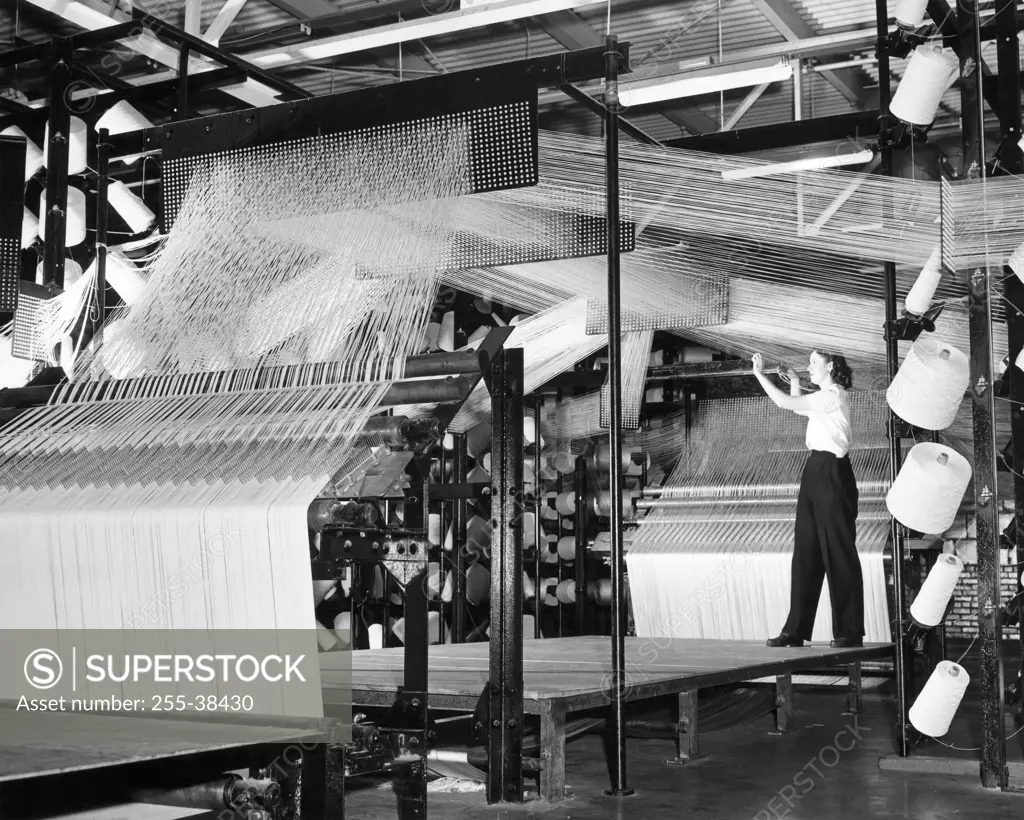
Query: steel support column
{"x":55,"y":218}
{"x":459,"y":457}
{"x":505,"y":686}
{"x":539,"y":537}
{"x":99,"y":313}
{"x":902,"y":654}
{"x":1012,"y":161}
{"x":618,"y":681}
{"x":993,"y":745}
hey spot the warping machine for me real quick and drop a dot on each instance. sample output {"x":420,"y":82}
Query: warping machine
{"x":376,"y":510}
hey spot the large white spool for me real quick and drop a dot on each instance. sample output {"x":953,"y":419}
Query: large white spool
{"x":935,"y":708}
{"x":74,"y":222}
{"x":923,"y":291}
{"x":72,"y":272}
{"x":910,"y":13}
{"x":375,"y":634}
{"x":131,"y":208}
{"x":929,"y":73}
{"x":929,"y":488}
{"x":930,"y":384}
{"x":122,"y":118}
{"x":566,"y":592}
{"x":567,"y":548}
{"x":29,"y":229}
{"x":446,"y":334}
{"x":33,"y":153}
{"x":78,"y":146}
{"x":124,"y":277}
{"x":565,"y":502}
{"x":929,"y":607}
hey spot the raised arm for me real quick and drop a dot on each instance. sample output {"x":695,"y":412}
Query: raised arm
{"x":794,"y":401}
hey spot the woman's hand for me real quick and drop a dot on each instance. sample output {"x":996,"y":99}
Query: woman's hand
{"x":792,"y":375}
{"x":758,"y":364}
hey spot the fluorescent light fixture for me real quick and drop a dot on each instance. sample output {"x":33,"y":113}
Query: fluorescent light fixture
{"x":490,"y":14}
{"x":271,"y":59}
{"x":809,"y":164}
{"x":719,"y":78}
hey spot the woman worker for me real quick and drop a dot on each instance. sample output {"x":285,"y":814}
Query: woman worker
{"x":826,"y":512}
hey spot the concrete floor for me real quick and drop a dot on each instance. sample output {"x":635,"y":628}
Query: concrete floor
{"x":826,"y":769}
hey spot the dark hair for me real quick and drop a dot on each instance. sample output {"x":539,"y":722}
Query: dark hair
{"x":841,"y":373}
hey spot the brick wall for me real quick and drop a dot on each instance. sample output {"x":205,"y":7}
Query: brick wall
{"x":959,"y":539}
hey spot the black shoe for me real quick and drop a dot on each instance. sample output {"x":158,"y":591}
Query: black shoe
{"x":785,"y":639}
{"x":847,"y":643}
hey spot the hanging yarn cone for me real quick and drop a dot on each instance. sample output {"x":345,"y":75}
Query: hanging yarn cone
{"x":929,"y":488}
{"x":33,"y":153}
{"x":550,"y":587}
{"x":910,"y":13}
{"x":565,"y":503}
{"x":74,"y":224}
{"x":478,"y":535}
{"x":528,"y":589}
{"x":929,"y":607}
{"x":432,"y":332}
{"x":566,"y":592}
{"x":130,"y":207}
{"x":478,"y":440}
{"x":72,"y":273}
{"x":549,"y":550}
{"x":483,"y":305}
{"x":567,"y":548}
{"x":77,"y":147}
{"x":530,"y":431}
{"x":122,"y":118}
{"x":434,"y":529}
{"x":920,"y":297}
{"x":600,"y":591}
{"x":375,"y":634}
{"x":935,"y":708}
{"x":326,"y":638}
{"x":529,"y":530}
{"x":446,"y":334}
{"x":435,"y":581}
{"x":478,"y":335}
{"x":930,"y":385}
{"x":29,"y":229}
{"x":929,"y":73}
{"x":478,"y":584}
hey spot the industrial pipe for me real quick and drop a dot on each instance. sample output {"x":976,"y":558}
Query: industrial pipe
{"x":226,"y":792}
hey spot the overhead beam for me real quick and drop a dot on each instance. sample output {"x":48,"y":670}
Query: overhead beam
{"x":252,"y":92}
{"x":222,"y":22}
{"x":783,"y":135}
{"x":785,"y":19}
{"x":430,"y":26}
{"x":193,"y":13}
{"x":304,"y":9}
{"x":752,"y":97}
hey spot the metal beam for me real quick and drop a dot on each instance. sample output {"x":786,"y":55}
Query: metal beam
{"x":193,"y":11}
{"x":305,"y":9}
{"x":786,"y":20}
{"x":250,"y":92}
{"x":222,"y":22}
{"x":979,"y":305}
{"x":569,"y":30}
{"x":766,"y":137}
{"x":752,"y":97}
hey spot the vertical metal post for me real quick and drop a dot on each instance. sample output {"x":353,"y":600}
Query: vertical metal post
{"x":539,"y":537}
{"x":979,"y":305}
{"x":102,"y":211}
{"x":459,"y":457}
{"x":55,"y":217}
{"x":581,"y":530}
{"x":902,"y":656}
{"x":505,"y":689}
{"x":1007,"y":56}
{"x":618,"y":682}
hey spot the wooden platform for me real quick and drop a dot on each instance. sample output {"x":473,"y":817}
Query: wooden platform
{"x":564,"y":675}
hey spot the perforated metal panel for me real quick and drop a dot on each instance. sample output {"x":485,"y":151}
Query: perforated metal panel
{"x":10,"y":273}
{"x":501,"y":143}
{"x":26,"y":342}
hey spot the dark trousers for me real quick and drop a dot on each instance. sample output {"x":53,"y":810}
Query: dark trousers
{"x":826,"y":545}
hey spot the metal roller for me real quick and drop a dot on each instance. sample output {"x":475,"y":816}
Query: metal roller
{"x":226,"y":792}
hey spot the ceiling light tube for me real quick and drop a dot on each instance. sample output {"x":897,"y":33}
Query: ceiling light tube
{"x":810,"y":164}
{"x":429,"y":26}
{"x":719,"y":78}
